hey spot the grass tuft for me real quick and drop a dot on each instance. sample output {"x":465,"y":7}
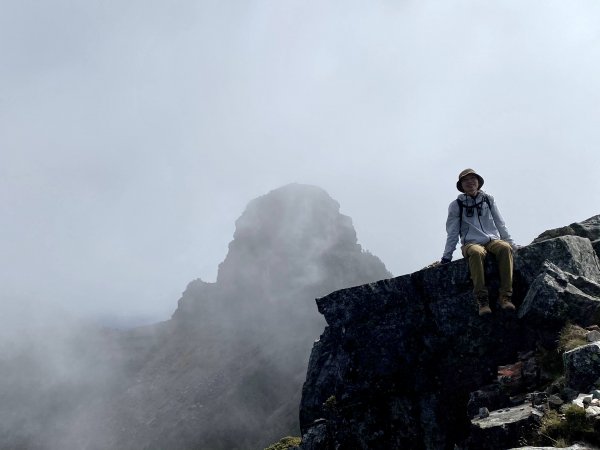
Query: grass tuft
{"x":563,"y":430}
{"x":571,"y":336}
{"x":285,"y":443}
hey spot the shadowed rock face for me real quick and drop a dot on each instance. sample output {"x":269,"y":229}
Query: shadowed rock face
{"x":399,"y":357}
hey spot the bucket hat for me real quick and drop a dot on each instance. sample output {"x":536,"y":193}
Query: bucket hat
{"x":463,"y":174}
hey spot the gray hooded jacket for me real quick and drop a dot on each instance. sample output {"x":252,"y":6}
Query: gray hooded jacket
{"x":485,"y":224}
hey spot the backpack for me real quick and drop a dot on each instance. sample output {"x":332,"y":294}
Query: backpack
{"x":461,"y":206}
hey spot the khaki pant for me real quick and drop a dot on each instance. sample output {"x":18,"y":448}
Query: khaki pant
{"x":476,"y":256}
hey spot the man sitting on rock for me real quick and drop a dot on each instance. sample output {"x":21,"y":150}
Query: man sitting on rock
{"x":475,"y":218}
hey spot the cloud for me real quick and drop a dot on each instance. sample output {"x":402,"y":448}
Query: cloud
{"x":134,"y":134}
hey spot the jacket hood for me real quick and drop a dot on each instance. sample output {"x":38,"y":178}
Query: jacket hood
{"x":464,"y":197}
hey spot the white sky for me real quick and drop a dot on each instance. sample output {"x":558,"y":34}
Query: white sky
{"x":133,"y":133}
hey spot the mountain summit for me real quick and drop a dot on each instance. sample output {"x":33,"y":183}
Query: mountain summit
{"x":289,"y":247}
{"x":293,"y":237}
{"x":233,"y":358}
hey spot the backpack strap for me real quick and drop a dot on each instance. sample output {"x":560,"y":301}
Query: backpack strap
{"x":460,"y":211}
{"x":461,"y":207}
{"x":487,"y":200}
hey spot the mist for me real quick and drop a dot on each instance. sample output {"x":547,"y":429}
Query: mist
{"x":56,"y":373}
{"x":133,"y":135}
{"x":226,"y":371}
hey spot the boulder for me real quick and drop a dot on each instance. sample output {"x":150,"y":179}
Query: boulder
{"x":571,"y":254}
{"x":582,"y":367}
{"x":585,"y":401}
{"x":503,"y":428}
{"x":557,"y":296}
{"x":589,"y":228}
{"x":593,"y":336}
{"x":490,"y":397}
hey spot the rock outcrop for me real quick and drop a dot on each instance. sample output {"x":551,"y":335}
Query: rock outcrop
{"x":400,"y":358}
{"x":582,"y":367}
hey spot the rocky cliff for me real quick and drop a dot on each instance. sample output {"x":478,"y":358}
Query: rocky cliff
{"x":408,"y":363}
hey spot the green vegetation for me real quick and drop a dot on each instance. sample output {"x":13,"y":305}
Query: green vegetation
{"x":571,"y":336}
{"x":331,"y":403}
{"x":285,"y":443}
{"x":562,"y":430}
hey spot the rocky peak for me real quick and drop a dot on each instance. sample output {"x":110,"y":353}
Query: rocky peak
{"x":288,"y":244}
{"x":406,"y":362}
{"x":285,"y":239}
{"x":241,"y":344}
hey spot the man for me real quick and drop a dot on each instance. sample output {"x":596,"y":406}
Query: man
{"x":475,"y":218}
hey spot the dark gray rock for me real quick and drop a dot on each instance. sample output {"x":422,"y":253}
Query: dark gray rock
{"x":389,"y":356}
{"x":555,"y":401}
{"x":316,"y":437}
{"x":568,"y":394}
{"x":537,"y":398}
{"x":589,"y":228}
{"x":582,"y":367}
{"x":503,"y":428}
{"x":345,"y":372}
{"x":362,"y":302}
{"x":401,"y":356}
{"x":593,"y":336}
{"x":491,"y":397}
{"x":556,"y":296}
{"x":571,"y":254}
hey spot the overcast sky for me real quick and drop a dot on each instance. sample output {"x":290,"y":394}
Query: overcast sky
{"x":133,"y":133}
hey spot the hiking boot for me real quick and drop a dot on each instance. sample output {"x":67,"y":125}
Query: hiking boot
{"x":484,"y":306}
{"x":505,"y":303}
